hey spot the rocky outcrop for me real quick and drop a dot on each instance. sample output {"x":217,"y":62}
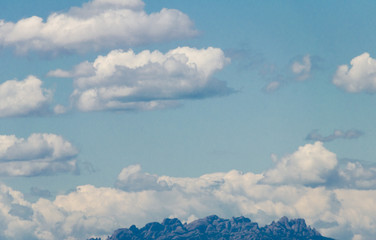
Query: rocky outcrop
{"x":215,"y":228}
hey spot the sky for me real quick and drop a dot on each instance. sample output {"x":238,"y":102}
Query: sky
{"x":121,"y":112}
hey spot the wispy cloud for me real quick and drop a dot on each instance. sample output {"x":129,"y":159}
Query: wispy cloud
{"x":272,"y":86}
{"x":97,"y":24}
{"x":147,"y":80}
{"x":299,"y":69}
{"x":337,"y":134}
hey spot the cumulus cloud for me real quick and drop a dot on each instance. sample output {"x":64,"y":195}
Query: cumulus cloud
{"x":311,"y":164}
{"x":356,"y":175}
{"x":147,"y":80}
{"x":359,"y":77}
{"x":302,"y":68}
{"x":97,"y":24}
{"x":21,"y":98}
{"x":337,"y":134}
{"x":39,"y":154}
{"x":133,"y":179}
{"x":343,"y":212}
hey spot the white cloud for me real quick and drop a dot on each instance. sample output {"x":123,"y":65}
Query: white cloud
{"x":97,"y":24}
{"x":81,"y":70}
{"x":342,"y":212}
{"x":147,"y":80}
{"x":311,"y":164}
{"x":302,"y":68}
{"x":355,"y":206}
{"x":39,"y":154}
{"x":360,"y":77}
{"x":355,"y":175}
{"x":133,"y":179}
{"x":26,"y":97}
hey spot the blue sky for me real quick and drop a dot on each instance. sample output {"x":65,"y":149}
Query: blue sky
{"x":187,"y":100}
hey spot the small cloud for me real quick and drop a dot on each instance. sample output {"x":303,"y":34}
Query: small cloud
{"x":302,"y":69}
{"x":359,"y":77}
{"x":337,"y":134}
{"x":22,"y":98}
{"x":133,"y":179}
{"x":60,"y":109}
{"x":299,"y":69}
{"x":271,"y":87}
{"x":59,"y":73}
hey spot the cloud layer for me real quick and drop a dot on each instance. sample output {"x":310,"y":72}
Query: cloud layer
{"x":39,"y":154}
{"x":359,"y":77}
{"x":147,"y":80}
{"x":338,"y":210}
{"x":26,"y":97}
{"x":97,"y":24}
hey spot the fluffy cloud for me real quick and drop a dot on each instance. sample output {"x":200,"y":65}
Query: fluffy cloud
{"x":302,"y":68}
{"x":311,"y":164}
{"x":337,"y":134}
{"x":20,"y":98}
{"x":133,"y":179}
{"x":355,"y":175}
{"x":343,"y":212}
{"x":97,"y":24}
{"x":360,"y":77}
{"x":147,"y":80}
{"x":39,"y":154}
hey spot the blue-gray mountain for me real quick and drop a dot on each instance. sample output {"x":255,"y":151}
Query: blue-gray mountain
{"x":215,"y":228}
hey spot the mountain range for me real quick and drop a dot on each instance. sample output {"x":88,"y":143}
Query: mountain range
{"x":215,"y":228}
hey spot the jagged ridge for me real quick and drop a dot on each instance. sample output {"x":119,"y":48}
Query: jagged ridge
{"x":213,"y":227}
